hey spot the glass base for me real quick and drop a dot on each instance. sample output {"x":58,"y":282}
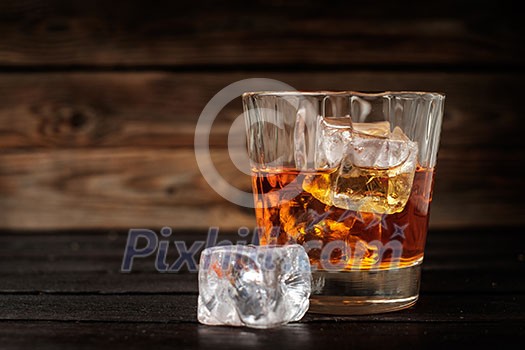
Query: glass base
{"x":364,"y":292}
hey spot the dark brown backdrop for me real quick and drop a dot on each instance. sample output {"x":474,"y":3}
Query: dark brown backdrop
{"x":99,"y":100}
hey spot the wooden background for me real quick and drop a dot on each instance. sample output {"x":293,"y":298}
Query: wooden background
{"x":99,"y":100}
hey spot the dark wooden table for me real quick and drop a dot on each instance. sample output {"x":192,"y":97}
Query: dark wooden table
{"x":65,"y":290}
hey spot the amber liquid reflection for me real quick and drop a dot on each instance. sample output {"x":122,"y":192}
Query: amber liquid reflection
{"x":287,"y":213}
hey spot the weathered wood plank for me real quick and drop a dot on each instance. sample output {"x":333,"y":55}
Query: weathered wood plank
{"x":303,"y":336}
{"x":268,"y":32}
{"x":500,"y":280}
{"x":183,"y":308}
{"x":461,"y":262}
{"x":122,"y":188}
{"x":134,"y":188}
{"x":161,"y":109}
{"x":68,"y":111}
{"x":89,"y":243}
{"x":107,"y":282}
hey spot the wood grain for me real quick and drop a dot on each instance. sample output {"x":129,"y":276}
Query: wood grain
{"x":60,"y":303}
{"x":183,"y":308}
{"x":475,"y":243}
{"x":121,"y":188}
{"x":496,"y":281}
{"x":207,"y":33}
{"x":85,"y":147}
{"x":469,"y":263}
{"x":76,"y":134}
{"x":126,"y":188}
{"x":304,"y":336}
{"x":161,"y":109}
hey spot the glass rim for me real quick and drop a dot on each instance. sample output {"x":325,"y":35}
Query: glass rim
{"x":325,"y":93}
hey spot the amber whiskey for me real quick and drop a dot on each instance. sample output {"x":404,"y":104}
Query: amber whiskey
{"x":388,"y":229}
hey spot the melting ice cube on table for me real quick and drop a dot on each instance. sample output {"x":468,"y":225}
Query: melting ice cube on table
{"x":254,"y":286}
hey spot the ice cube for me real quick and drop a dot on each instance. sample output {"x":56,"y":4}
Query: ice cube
{"x":379,"y":152}
{"x":373,"y":172}
{"x":332,"y":136}
{"x":254,"y":286}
